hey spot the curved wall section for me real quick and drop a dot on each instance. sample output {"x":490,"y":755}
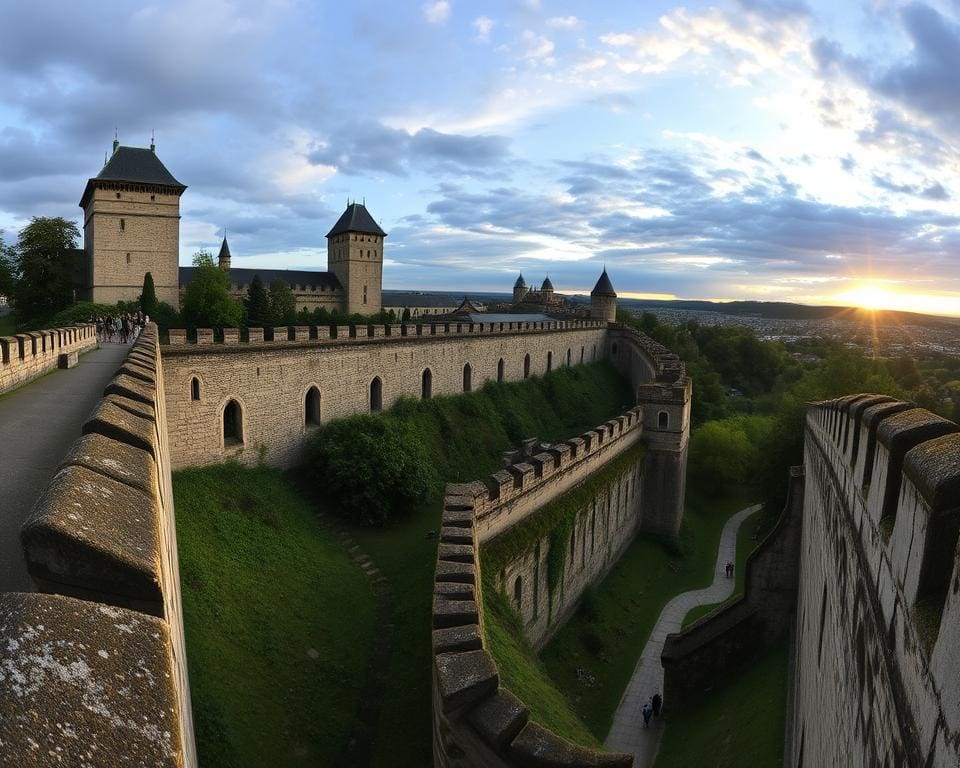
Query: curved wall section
{"x":878,"y":615}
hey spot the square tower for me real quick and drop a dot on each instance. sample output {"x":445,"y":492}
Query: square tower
{"x":131,"y":226}
{"x":355,"y":256}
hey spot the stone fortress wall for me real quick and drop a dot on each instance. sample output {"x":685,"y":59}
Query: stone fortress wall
{"x":95,"y":662}
{"x":270,"y":381}
{"x":878,"y":614}
{"x":26,"y":356}
{"x":476,"y":722}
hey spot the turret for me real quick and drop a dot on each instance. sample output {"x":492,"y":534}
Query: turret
{"x":519,"y":290}
{"x":546,"y":291}
{"x":223,"y":259}
{"x":603,"y":300}
{"x":355,"y":256}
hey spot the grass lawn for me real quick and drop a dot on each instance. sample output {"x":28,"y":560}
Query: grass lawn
{"x":745,"y":545}
{"x":738,"y":724}
{"x":607,"y":638}
{"x":278,"y":620}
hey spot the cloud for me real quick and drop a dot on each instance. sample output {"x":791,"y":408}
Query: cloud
{"x":437,"y":12}
{"x":563,"y":22}
{"x":483,"y":25}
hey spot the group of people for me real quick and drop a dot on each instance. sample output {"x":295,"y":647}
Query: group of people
{"x":120,"y":329}
{"x":652,"y":709}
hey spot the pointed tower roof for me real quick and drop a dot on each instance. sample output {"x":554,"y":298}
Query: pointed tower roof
{"x":356,"y":219}
{"x":547,"y":285}
{"x":521,"y":283}
{"x":604,"y":287}
{"x":224,"y":250}
{"x":134,"y":165}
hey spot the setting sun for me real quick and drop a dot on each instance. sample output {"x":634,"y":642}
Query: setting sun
{"x":880,"y":295}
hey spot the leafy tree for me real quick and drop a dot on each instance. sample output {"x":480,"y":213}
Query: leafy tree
{"x":406,"y":315}
{"x":257,"y":302}
{"x":45,"y":266}
{"x":148,"y":297}
{"x":7,"y":279}
{"x":283,"y":305}
{"x":207,"y":301}
{"x":166,"y":317}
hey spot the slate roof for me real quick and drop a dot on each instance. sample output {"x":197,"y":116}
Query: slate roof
{"x":603,"y":287}
{"x":521,"y":283}
{"x":243,"y":277}
{"x":547,"y":285}
{"x":136,"y":166}
{"x":413,"y":299}
{"x":356,"y":219}
{"x":224,"y":250}
{"x":506,"y":317}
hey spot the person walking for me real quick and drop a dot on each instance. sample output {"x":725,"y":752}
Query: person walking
{"x":657,"y":704}
{"x":647,"y":713}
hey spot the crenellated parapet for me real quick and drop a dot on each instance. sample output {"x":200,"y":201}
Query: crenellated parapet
{"x":26,"y":356}
{"x":879,"y":606}
{"x":100,"y":652}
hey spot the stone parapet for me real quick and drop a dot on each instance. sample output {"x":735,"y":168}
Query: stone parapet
{"x":103,"y":531}
{"x":26,"y":356}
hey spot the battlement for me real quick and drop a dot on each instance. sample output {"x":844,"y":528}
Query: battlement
{"x":352,"y":334}
{"x":27,"y":355}
{"x":476,"y":721}
{"x":510,"y":495}
{"x":101,"y":544}
{"x":887,"y":484}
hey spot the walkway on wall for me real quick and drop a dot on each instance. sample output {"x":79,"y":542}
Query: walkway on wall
{"x":627,"y":733}
{"x":38,"y":422}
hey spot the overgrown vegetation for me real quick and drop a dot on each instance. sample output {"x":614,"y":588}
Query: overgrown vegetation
{"x":381,"y":467}
{"x":740,"y":723}
{"x":278,"y":620}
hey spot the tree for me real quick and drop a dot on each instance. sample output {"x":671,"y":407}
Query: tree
{"x":7,"y":280}
{"x":148,"y":297}
{"x":44,"y":263}
{"x":283,"y":305}
{"x":257,"y":303}
{"x":406,"y":315}
{"x":207,"y":302}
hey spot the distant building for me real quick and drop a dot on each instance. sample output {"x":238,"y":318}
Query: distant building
{"x":545,"y":296}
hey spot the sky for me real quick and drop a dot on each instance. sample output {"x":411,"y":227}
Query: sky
{"x":750,"y":149}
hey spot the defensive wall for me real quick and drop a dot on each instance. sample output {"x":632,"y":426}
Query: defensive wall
{"x":476,"y":722}
{"x":26,"y":356}
{"x":878,"y":614}
{"x":93,"y":666}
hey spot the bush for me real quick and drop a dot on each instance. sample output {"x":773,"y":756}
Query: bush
{"x":81,"y":312}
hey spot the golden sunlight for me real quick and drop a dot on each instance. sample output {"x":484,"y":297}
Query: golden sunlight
{"x":877,"y":295}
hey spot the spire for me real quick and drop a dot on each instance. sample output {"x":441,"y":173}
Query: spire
{"x":153,"y":140}
{"x":604,"y":287}
{"x":521,"y":283}
{"x":116,"y":138}
{"x":223,"y":258}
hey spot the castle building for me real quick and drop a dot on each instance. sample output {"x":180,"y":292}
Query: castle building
{"x":545,"y":296}
{"x":131,"y":226}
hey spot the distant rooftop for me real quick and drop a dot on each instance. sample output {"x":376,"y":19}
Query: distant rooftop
{"x":242,"y":277}
{"x":356,"y":219}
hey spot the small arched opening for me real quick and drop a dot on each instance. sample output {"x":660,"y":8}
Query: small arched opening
{"x":500,"y":370}
{"x":663,"y":420}
{"x":426,"y":384}
{"x":549,"y":361}
{"x":581,"y":355}
{"x":518,"y":591}
{"x":194,"y":388}
{"x":568,"y":358}
{"x":232,"y":424}
{"x":526,"y":366}
{"x":376,"y":395}
{"x":311,"y":407}
{"x":467,"y":378}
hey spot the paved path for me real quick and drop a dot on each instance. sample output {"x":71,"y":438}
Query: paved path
{"x":37,"y":424}
{"x":627,"y":733}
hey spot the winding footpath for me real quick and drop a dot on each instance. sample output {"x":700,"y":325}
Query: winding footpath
{"x":627,"y":733}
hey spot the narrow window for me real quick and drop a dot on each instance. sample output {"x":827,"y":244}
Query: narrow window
{"x":581,"y":355}
{"x":376,"y":395}
{"x":500,"y":370}
{"x":467,"y":383}
{"x":549,"y":361}
{"x":194,"y":388}
{"x":232,"y":424}
{"x":518,"y":592}
{"x":593,"y":353}
{"x":568,"y":358}
{"x":128,"y":258}
{"x":426,"y":385}
{"x":118,"y":195}
{"x":364,"y":294}
{"x":663,"y":420}
{"x":311,"y":407}
{"x":526,"y":366}
{"x":123,"y":224}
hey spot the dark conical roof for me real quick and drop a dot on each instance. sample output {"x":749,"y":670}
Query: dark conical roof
{"x":547,"y":285}
{"x":521,"y":283}
{"x":224,"y":250}
{"x":356,"y":219}
{"x":603,"y":287}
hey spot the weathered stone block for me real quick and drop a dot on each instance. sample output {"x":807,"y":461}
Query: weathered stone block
{"x":454,"y":590}
{"x":114,"y":422}
{"x":457,"y":639}
{"x":67,"y":360}
{"x":204,"y":335}
{"x":231,"y":335}
{"x":536,"y":747}
{"x":453,"y":571}
{"x":177,"y":336}
{"x":455,"y":553}
{"x":463,"y":678}
{"x":454,"y":613}
{"x":255,"y":335}
{"x":135,"y":389}
{"x":499,"y":719}
{"x":117,"y":460}
{"x":455,"y":534}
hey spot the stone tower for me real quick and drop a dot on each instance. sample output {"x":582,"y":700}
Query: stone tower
{"x":603,"y":300}
{"x":355,"y":256}
{"x":519,"y":290}
{"x":546,"y":291}
{"x":131,"y":226}
{"x":223,"y":258}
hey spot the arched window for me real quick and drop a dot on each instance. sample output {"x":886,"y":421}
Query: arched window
{"x":526,"y":366}
{"x":663,"y":420}
{"x":581,"y":355}
{"x":376,"y":395}
{"x":518,"y":591}
{"x":232,"y":424}
{"x":593,"y":353}
{"x":311,"y":407}
{"x":467,"y":375}
{"x":568,"y":358}
{"x":426,"y":384}
{"x":500,"y":370}
{"x":194,"y":388}
{"x":549,"y":361}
